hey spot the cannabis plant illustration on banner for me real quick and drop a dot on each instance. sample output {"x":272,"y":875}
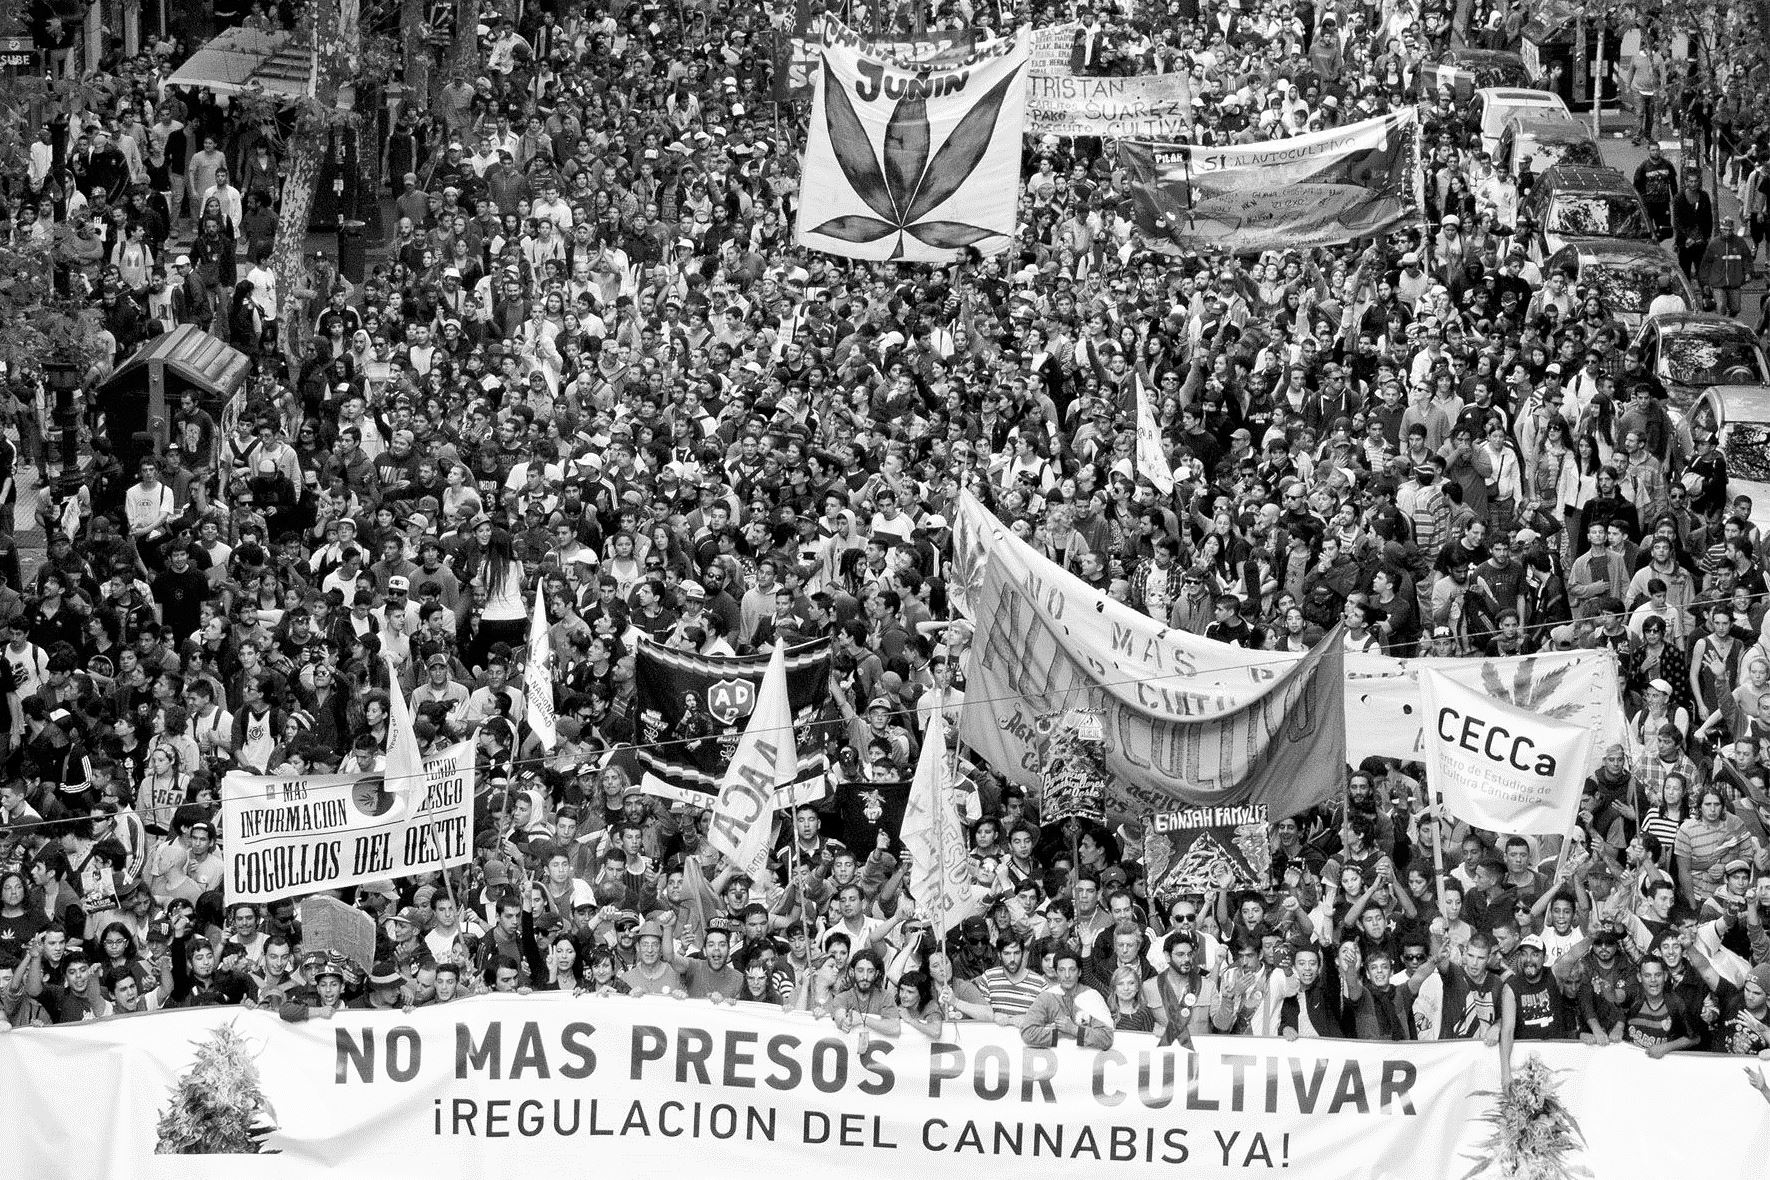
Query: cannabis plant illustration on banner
{"x":913,"y":165}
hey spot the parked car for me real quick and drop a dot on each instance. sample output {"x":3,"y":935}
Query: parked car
{"x":1693,"y":351}
{"x":1571,"y":203}
{"x":1495,"y":104}
{"x":1546,"y":141}
{"x":1739,"y":417}
{"x":1465,"y":70}
{"x":1624,"y":274}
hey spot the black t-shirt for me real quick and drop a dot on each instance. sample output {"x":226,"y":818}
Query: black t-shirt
{"x":179,"y":596}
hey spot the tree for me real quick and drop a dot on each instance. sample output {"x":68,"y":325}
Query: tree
{"x":334,"y":36}
{"x":39,"y":328}
{"x":218,"y":1106}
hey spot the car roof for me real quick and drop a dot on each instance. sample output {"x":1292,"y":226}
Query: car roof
{"x":1585,"y":178}
{"x":1551,"y":125}
{"x":1743,"y":403}
{"x":1517,"y":94}
{"x":1602,"y":250}
{"x":1700,"y":321}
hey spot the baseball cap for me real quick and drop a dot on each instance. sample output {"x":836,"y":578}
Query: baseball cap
{"x":1531,"y":942}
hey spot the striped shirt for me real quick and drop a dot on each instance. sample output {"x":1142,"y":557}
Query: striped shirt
{"x":1010,"y":997}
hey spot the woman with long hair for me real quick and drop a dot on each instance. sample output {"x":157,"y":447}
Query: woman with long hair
{"x":1130,"y":1011}
{"x":917,"y":1004}
{"x":819,"y":989}
{"x":245,"y":322}
{"x":506,"y":614}
{"x":1666,"y":815}
{"x":164,"y":787}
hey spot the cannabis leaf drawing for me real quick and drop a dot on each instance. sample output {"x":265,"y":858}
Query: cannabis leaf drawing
{"x":907,"y":185}
{"x":1528,"y":691}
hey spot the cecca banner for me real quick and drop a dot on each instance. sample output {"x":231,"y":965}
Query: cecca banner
{"x":1500,"y":767}
{"x":1384,"y":711}
{"x":1319,"y":189}
{"x":283,"y":836}
{"x":651,"y":1088}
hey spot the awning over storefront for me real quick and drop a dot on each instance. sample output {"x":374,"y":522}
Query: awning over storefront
{"x":242,"y":59}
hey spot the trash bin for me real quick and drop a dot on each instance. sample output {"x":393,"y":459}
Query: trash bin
{"x":351,"y":260}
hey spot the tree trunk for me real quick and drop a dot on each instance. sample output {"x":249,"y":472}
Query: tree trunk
{"x":464,"y":53}
{"x":305,"y":156}
{"x":323,"y":28}
{"x":417,"y":51}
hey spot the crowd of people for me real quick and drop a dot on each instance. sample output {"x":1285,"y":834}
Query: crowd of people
{"x":593,"y":367}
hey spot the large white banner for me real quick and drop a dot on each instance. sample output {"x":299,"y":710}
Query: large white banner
{"x":1500,"y":767}
{"x":1150,"y":106}
{"x":282,"y":837}
{"x":1384,"y":713}
{"x":913,"y":165}
{"x":653,"y":1088}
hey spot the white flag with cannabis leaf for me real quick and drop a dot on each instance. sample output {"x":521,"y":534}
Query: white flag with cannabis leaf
{"x":913,"y":165}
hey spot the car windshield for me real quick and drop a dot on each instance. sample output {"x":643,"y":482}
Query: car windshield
{"x":1746,"y":447}
{"x":1623,"y":289}
{"x":1712,"y":358}
{"x":1598,"y":215}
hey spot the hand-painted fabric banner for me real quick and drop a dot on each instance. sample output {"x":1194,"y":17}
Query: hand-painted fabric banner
{"x":657,"y":1087}
{"x":1198,"y":849}
{"x":1383,"y":708}
{"x":1500,"y":767}
{"x":1313,"y":190}
{"x":797,"y":51}
{"x":912,"y":165}
{"x":693,"y":709}
{"x":1156,"y":106}
{"x":1046,"y":642}
{"x":795,"y":54}
{"x":285,"y":836}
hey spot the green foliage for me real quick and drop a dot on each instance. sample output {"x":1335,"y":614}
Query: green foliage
{"x":218,"y":1107}
{"x":1535,"y":1136}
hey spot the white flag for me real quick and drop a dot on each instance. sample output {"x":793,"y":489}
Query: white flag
{"x":1152,"y":461}
{"x":1500,"y":767}
{"x":766,"y":758}
{"x":404,"y":772}
{"x":537,"y":674}
{"x":940,"y":870}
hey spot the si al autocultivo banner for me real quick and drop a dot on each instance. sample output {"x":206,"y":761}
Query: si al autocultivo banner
{"x":1312,"y":190}
{"x":912,"y":164}
{"x":655,"y":1087}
